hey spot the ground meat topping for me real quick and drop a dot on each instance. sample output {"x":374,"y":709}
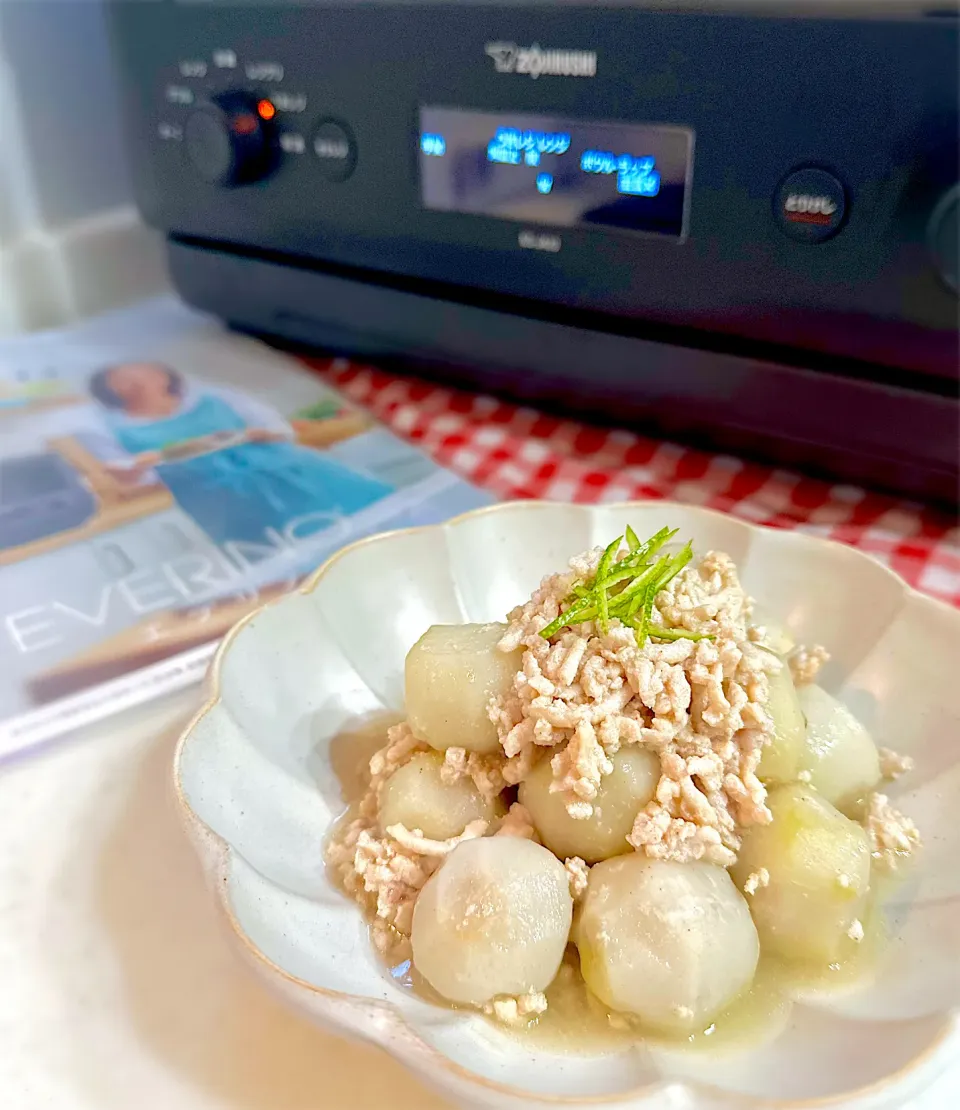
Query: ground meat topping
{"x":893,"y":765}
{"x":578,"y":875}
{"x":383,"y":873}
{"x":486,"y":771}
{"x":516,"y":1010}
{"x":401,"y":745}
{"x":893,"y":836}
{"x":400,"y":748}
{"x":756,"y":880}
{"x":577,"y":769}
{"x":661,"y":836}
{"x":806,"y":662}
{"x":701,"y":705}
{"x":392,"y":875}
{"x":415,"y":843}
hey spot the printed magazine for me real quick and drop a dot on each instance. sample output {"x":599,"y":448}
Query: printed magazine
{"x":158,"y":477}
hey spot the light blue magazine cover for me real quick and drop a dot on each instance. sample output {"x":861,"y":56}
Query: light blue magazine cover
{"x":158,"y":477}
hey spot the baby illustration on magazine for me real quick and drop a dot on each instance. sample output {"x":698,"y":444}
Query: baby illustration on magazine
{"x":230,"y":462}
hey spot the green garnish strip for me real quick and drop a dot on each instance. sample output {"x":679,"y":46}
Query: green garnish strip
{"x":671,"y":634}
{"x":640,"y":582}
{"x":627,"y":567}
{"x":603,"y":597}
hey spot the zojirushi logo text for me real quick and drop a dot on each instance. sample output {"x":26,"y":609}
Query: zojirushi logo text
{"x":536,"y":62}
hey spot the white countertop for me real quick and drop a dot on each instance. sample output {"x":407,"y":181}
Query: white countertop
{"x":119,"y":985}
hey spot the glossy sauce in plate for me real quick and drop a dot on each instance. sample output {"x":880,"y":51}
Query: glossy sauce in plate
{"x":576,"y":1021}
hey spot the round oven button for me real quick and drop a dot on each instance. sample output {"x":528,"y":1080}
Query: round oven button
{"x":228,"y":140}
{"x":335,"y":149}
{"x":810,"y":205}
{"x":208,"y":147}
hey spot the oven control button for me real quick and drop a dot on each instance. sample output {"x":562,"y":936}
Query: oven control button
{"x":335,"y":149}
{"x":944,"y":237}
{"x":810,"y":205}
{"x":228,"y":140}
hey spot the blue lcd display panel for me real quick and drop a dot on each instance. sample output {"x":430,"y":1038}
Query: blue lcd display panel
{"x":560,"y":172}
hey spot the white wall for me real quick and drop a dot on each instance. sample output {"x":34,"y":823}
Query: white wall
{"x":71,"y":243}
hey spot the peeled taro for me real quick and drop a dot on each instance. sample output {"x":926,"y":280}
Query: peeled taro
{"x":452,"y":672}
{"x":818,"y":864}
{"x":622,"y":794}
{"x":493,"y":920}
{"x":671,"y":943}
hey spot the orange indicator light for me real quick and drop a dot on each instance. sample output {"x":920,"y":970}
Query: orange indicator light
{"x":265,"y":109}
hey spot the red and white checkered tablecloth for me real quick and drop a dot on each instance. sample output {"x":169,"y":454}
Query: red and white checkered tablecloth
{"x":518,"y":452}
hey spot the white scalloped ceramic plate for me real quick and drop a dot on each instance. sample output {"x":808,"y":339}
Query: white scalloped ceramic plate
{"x":254,"y":777}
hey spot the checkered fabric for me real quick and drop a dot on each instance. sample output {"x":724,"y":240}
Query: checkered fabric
{"x":518,"y":452}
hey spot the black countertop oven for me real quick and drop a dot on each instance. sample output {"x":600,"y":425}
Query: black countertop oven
{"x":733,"y":222}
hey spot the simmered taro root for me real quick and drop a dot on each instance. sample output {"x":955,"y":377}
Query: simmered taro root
{"x":452,"y":673}
{"x":669,"y":767}
{"x":621,"y":796}
{"x":839,"y":755}
{"x":671,"y":943}
{"x":494,"y":920}
{"x":818,"y":863}
{"x":781,"y":757}
{"x":416,"y":797}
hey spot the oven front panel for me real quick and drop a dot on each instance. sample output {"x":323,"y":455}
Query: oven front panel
{"x":788,"y":181}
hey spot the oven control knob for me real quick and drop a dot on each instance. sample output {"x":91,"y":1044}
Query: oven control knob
{"x":228,"y":139}
{"x":943,"y":236}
